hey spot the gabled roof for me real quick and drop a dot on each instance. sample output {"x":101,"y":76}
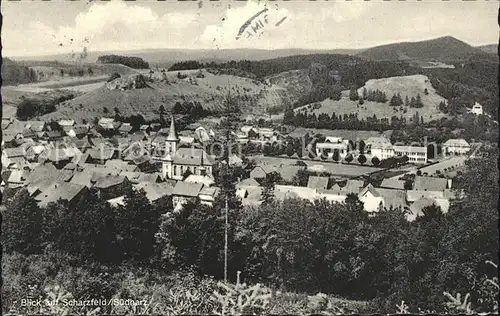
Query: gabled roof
{"x":416,"y":209}
{"x":187,"y":189}
{"x":429,"y":183}
{"x":352,"y":186}
{"x":192,"y":156}
{"x":35,"y":126}
{"x":67,"y":191}
{"x":392,"y":184}
{"x":119,"y":165}
{"x":101,"y":153}
{"x":205,"y":180}
{"x":282,"y":192}
{"x":66,"y":122}
{"x":125,"y":128}
{"x":209,"y":192}
{"x":317,"y":182}
{"x":14,"y":152}
{"x":107,"y":181}
{"x":248,"y":182}
{"x":154,"y":191}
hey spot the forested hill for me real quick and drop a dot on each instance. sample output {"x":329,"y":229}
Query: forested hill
{"x":441,"y":49}
{"x":14,"y":73}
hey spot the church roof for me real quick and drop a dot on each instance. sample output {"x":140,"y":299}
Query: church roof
{"x":172,"y":133}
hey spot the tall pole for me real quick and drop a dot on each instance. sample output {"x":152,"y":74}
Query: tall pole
{"x":225,"y":243}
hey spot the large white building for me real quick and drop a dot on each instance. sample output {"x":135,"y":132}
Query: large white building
{"x":331,"y":145}
{"x":414,"y":154}
{"x":456,"y":146}
{"x":379,"y":147}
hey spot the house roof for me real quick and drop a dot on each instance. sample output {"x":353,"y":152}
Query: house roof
{"x":429,"y":183}
{"x":139,"y":136}
{"x":248,"y":182}
{"x":209,"y":192}
{"x":154,"y":191}
{"x":138,"y":177}
{"x":107,"y":181}
{"x":17,"y":176}
{"x":205,"y":180}
{"x":187,"y":189}
{"x":67,"y":191}
{"x":119,"y":165}
{"x":66,"y":122}
{"x":392,"y":184}
{"x":282,"y":192}
{"x":351,"y":186}
{"x":125,"y":128}
{"x":117,"y":201}
{"x":411,"y":149}
{"x":101,"y":153}
{"x":35,"y":126}
{"x":416,"y":209}
{"x":317,"y":182}
{"x":83,"y":178}
{"x":378,"y":142}
{"x":393,"y":197}
{"x":15,"y":152}
{"x":192,"y":156}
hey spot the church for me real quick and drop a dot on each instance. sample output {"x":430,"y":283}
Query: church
{"x":177,"y":161}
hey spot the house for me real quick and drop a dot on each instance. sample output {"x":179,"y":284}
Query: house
{"x":374,"y":198}
{"x":236,"y":161}
{"x":415,"y":195}
{"x":332,"y":195}
{"x":282,"y":192}
{"x":155,"y":191}
{"x":201,"y":134}
{"x":17,"y":178}
{"x":415,"y":154}
{"x":417,"y":208}
{"x":69,"y":192}
{"x":66,"y":123}
{"x":100,"y":154}
{"x":120,"y":165}
{"x":207,"y":195}
{"x":117,"y":201}
{"x":318,"y":183}
{"x":106,"y":123}
{"x":125,"y":128}
{"x":186,"y":140}
{"x":141,"y":177}
{"x":111,"y":186}
{"x":145,"y":128}
{"x":249,"y":194}
{"x":287,"y":172}
{"x":185,"y":192}
{"x":205,"y":180}
{"x":477,"y":109}
{"x":249,"y":131}
{"x":266,"y":134}
{"x":422,"y":183}
{"x":391,"y":183}
{"x":379,"y":147}
{"x":456,"y":147}
{"x":350,"y":187}
{"x":329,"y":149}
{"x":53,"y":135}
{"x":77,"y":131}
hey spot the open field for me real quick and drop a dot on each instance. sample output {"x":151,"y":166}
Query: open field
{"x":337,"y":169}
{"x":410,"y":86}
{"x":211,"y":91}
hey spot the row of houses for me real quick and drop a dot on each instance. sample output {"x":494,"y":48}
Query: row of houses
{"x":424,"y":191}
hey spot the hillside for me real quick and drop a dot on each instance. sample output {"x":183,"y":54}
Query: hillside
{"x":211,"y":91}
{"x":442,"y":49}
{"x":490,"y":49}
{"x":410,"y":86}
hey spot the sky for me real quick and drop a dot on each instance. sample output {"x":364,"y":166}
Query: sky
{"x":33,"y":28}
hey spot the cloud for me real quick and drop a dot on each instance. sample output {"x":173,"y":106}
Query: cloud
{"x":113,"y":25}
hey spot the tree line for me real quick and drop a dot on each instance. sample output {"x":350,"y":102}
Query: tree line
{"x":132,"y":62}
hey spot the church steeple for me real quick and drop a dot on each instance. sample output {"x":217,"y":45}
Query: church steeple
{"x":172,"y":134}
